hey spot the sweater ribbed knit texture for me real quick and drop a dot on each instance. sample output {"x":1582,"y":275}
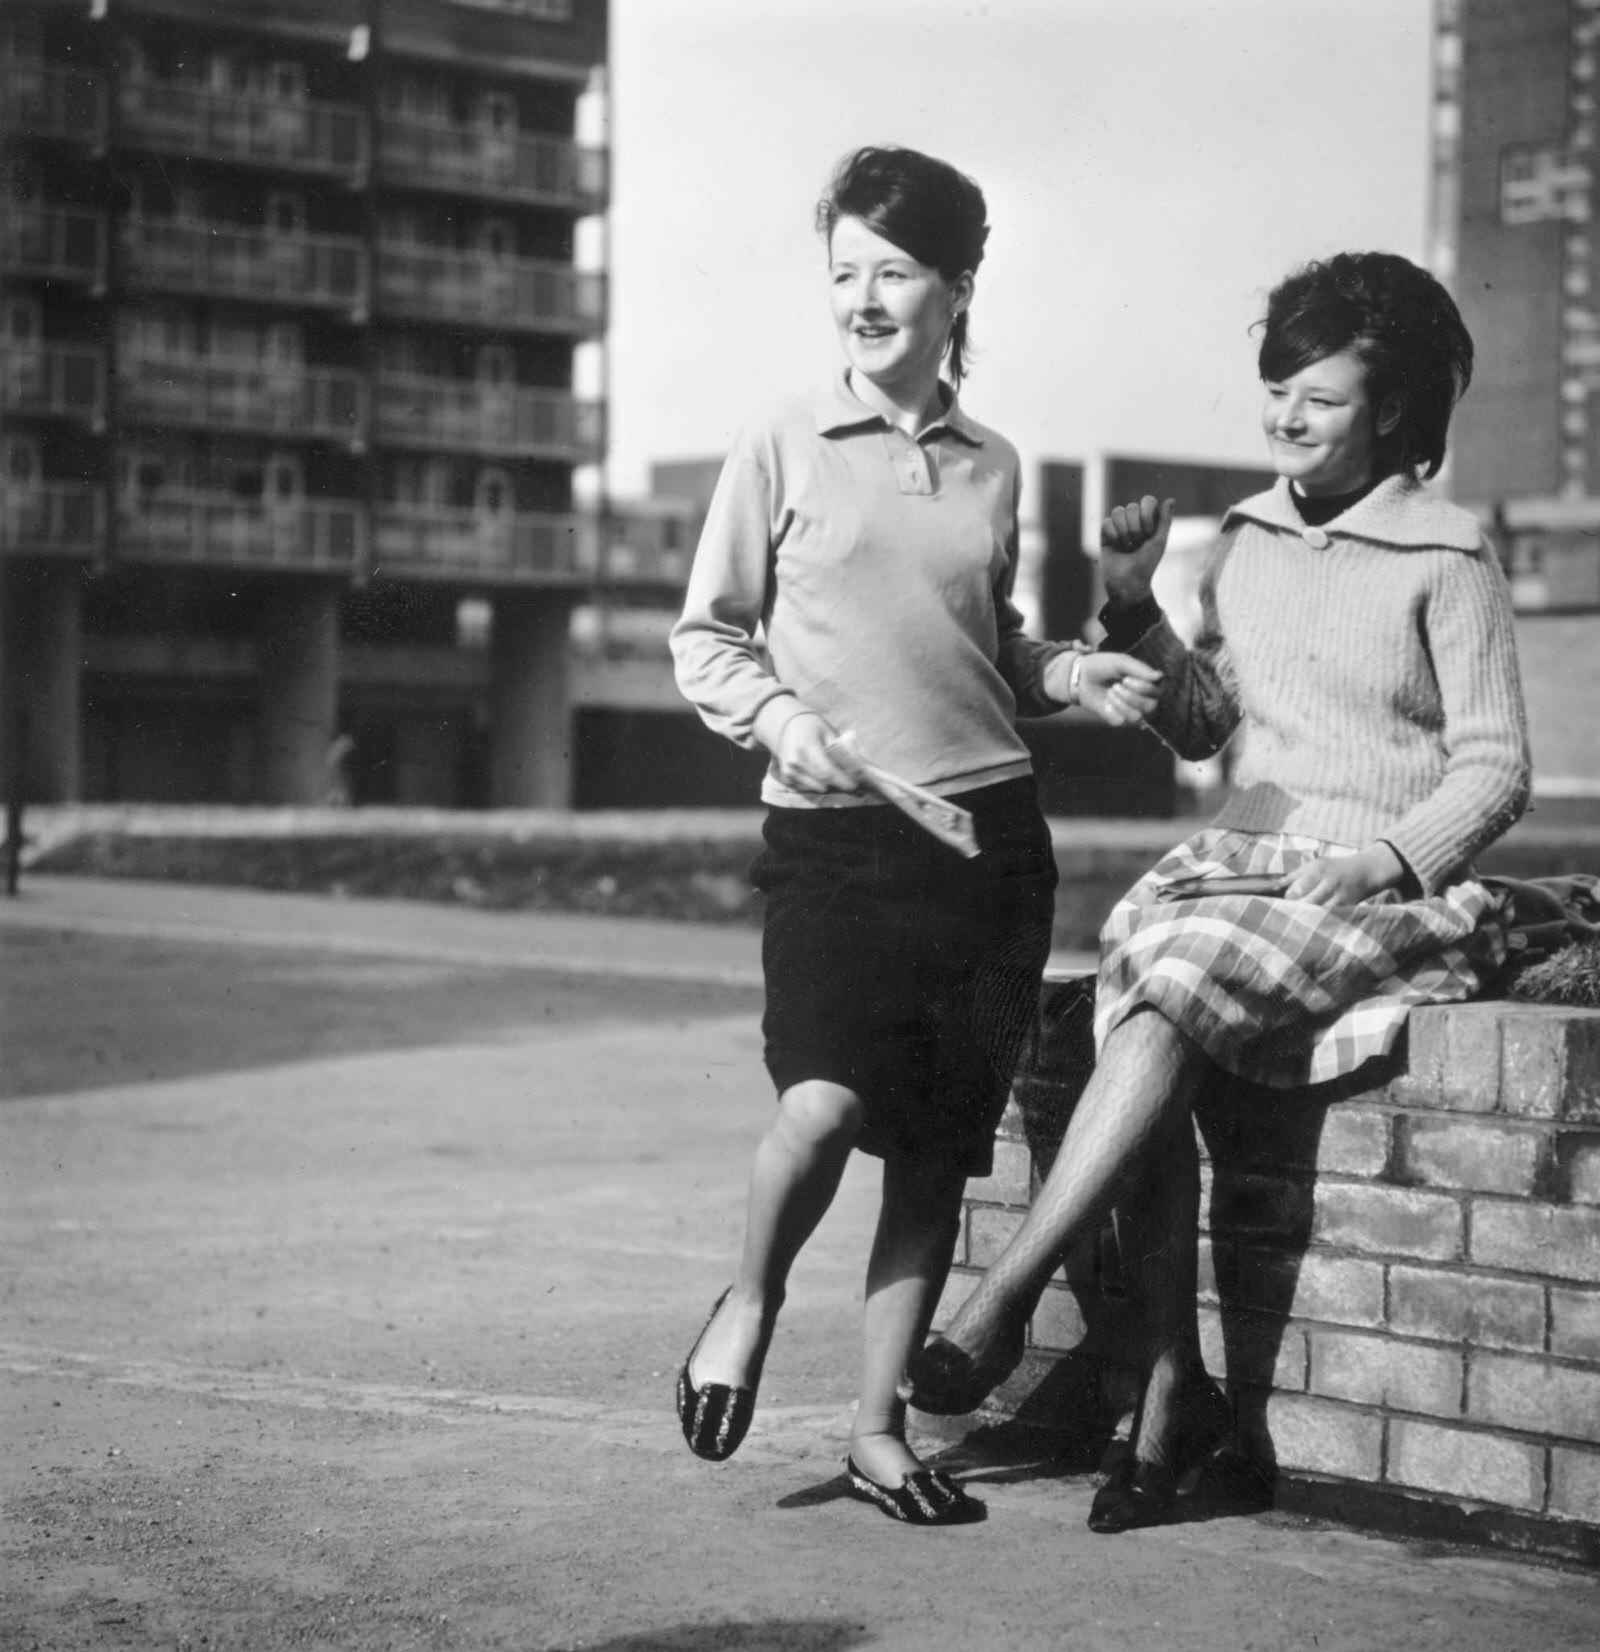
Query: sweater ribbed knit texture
{"x":1372,"y":678}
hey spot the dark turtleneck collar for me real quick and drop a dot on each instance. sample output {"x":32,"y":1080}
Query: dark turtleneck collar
{"x":1315,"y":512}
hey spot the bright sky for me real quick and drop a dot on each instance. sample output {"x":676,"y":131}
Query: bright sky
{"x":1152,"y":167}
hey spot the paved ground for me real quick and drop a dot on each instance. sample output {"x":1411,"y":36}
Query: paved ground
{"x":349,"y":1250}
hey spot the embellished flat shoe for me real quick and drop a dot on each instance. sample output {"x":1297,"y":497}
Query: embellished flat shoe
{"x":927,"y":1497}
{"x":715,"y":1417}
{"x":944,"y":1380}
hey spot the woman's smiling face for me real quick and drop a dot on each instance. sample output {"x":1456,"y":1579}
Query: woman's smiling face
{"x":1320,"y":425}
{"x":893,"y":314}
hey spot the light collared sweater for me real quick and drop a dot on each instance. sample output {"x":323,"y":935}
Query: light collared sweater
{"x":1372,"y":668}
{"x":877,"y":569}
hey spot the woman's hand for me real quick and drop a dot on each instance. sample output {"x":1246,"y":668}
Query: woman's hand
{"x":1346,"y":880}
{"x":804,"y":760}
{"x":1133,"y":539}
{"x":1118,"y":688}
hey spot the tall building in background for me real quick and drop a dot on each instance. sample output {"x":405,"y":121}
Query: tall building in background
{"x":301,"y":336}
{"x":1514,"y":233}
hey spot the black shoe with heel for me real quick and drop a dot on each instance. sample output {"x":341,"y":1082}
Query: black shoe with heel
{"x":1141,"y":1493}
{"x":716,"y":1416}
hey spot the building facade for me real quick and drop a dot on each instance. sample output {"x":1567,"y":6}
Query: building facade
{"x":1515,"y":235}
{"x":293,"y":325}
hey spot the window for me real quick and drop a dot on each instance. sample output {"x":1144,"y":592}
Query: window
{"x":22,"y":462}
{"x":287,"y":82}
{"x":286,"y":213}
{"x":22,"y":321}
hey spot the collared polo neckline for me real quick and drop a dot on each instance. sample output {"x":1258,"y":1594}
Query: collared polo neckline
{"x":913,"y":459}
{"x":839,"y":410}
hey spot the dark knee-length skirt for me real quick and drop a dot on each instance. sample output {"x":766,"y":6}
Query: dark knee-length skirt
{"x":902,"y":971}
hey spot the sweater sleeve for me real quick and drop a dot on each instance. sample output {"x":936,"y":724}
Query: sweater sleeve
{"x":720,"y":667}
{"x":1021,"y":659}
{"x":1199,"y":708}
{"x":1487,"y":775}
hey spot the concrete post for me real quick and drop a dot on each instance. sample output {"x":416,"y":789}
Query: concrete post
{"x":530,"y":702}
{"x":44,"y":651}
{"x":297,"y":663}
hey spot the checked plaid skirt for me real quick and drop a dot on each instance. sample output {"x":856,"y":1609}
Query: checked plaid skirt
{"x":1284,"y":993}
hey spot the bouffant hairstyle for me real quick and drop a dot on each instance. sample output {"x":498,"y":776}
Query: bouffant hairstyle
{"x":923,"y":206}
{"x":1404,"y":328}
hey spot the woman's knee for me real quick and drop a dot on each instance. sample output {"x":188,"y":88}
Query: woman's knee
{"x":818,"y":1113}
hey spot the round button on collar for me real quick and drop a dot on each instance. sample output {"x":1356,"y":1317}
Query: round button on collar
{"x":1315,"y":538}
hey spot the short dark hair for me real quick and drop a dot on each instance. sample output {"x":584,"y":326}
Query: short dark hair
{"x":923,"y":206}
{"x":1403,"y":327}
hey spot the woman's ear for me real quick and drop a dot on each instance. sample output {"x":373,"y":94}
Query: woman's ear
{"x":961,"y":292}
{"x":1389,"y":414}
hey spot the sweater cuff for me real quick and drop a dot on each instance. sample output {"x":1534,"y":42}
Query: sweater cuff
{"x":774,"y":717}
{"x":1126,"y":622}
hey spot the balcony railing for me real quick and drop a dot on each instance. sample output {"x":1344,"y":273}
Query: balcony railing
{"x":508,"y":292}
{"x":533,"y":167}
{"x":307,"y":135}
{"x":521,"y":548}
{"x":223,"y":395}
{"x":63,"y":243}
{"x":54,"y":380}
{"x":51,"y":519}
{"x":418,"y":410}
{"x":328,"y":271}
{"x":323,"y":536}
{"x":46,"y":101}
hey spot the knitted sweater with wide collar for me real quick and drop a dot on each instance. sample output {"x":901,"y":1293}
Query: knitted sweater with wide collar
{"x":1370,"y":667}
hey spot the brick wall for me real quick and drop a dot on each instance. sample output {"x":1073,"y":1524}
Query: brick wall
{"x":1402,"y":1287}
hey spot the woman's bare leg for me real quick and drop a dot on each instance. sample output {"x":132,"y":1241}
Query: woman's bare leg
{"x":1146,"y":1078}
{"x":917,"y":1226}
{"x":795,"y":1175}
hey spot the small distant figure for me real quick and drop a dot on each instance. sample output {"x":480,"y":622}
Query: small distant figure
{"x":336,"y":791}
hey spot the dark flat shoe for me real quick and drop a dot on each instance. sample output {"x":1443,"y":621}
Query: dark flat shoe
{"x":1135,"y":1494}
{"x":946,"y":1381}
{"x":927,"y":1497}
{"x":1140,"y":1493}
{"x":715,"y":1417}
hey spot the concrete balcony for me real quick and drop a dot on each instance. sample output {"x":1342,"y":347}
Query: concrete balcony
{"x":58,"y":243}
{"x":55,"y":519}
{"x":301,"y":135}
{"x":414,"y":410}
{"x":213,"y":530}
{"x":41,"y":100}
{"x":222,"y":261}
{"x":184,"y":391}
{"x":529,"y":294}
{"x":648,"y":553}
{"x":65,"y":381}
{"x":534,"y":169}
{"x":518,"y":548}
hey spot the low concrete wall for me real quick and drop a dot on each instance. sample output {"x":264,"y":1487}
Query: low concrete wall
{"x":668,"y":863}
{"x":1401,"y":1288}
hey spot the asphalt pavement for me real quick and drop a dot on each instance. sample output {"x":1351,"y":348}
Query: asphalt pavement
{"x":369,"y":1343}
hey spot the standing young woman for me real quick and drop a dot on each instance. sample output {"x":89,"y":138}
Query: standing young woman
{"x":869,"y":532}
{"x":1357,"y":630}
